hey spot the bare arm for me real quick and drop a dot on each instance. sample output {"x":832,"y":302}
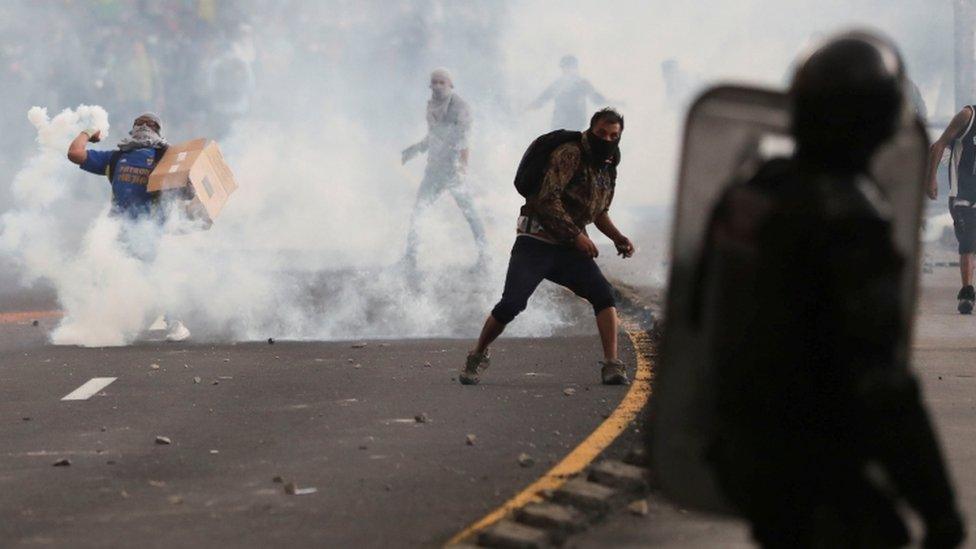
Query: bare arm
{"x":545,"y":97}
{"x":464,"y":123}
{"x":955,"y":129}
{"x":595,"y":96}
{"x":414,"y":150}
{"x":605,"y":225}
{"x":77,"y":151}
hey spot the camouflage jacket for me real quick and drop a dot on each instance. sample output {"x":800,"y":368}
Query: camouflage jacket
{"x":572,"y":195}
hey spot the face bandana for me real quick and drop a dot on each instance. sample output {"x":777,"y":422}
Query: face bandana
{"x":142,"y":136}
{"x":601,"y":151}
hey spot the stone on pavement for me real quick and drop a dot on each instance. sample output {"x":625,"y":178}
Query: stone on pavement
{"x":639,"y":507}
{"x":163,"y":440}
{"x":525,"y":460}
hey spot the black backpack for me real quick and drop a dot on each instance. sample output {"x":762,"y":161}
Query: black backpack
{"x":532,"y":168}
{"x":113,"y":161}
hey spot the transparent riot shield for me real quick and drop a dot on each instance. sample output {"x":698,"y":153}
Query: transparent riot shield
{"x":730,"y":131}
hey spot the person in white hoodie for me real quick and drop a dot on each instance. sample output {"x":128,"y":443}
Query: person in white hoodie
{"x":446,"y":144}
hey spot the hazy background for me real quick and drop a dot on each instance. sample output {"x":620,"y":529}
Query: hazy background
{"x":312,"y":103}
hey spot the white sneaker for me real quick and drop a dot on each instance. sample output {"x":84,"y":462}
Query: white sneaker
{"x":177,"y":332}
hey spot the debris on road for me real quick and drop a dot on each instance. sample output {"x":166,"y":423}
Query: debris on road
{"x":292,"y":489}
{"x":469,"y":440}
{"x":638,"y":508}
{"x":157,"y":483}
{"x":175,"y":500}
{"x":26,"y":418}
{"x":427,"y":364}
{"x":163,"y":440}
{"x":197,"y":379}
{"x":213,"y":452}
{"x":35,"y":323}
{"x":525,"y":460}
{"x":270,"y":341}
{"x":359,"y":345}
{"x":63,"y":462}
{"x":421,"y":418}
{"x":279,"y":479}
{"x":154,"y":366}
{"x":569,"y":391}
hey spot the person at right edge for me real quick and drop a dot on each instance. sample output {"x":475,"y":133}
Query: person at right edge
{"x":821,"y":428}
{"x":961,"y":134}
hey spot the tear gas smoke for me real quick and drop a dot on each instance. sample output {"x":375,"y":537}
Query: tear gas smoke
{"x":259,"y":271}
{"x":323,"y":102}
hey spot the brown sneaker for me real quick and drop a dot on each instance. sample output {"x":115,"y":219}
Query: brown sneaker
{"x":614,"y":372}
{"x":473,"y":366}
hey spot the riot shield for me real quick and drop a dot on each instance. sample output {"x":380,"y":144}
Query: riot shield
{"x":730,"y":131}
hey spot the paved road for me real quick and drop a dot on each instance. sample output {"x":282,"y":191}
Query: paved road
{"x":323,"y":415}
{"x":945,"y":362}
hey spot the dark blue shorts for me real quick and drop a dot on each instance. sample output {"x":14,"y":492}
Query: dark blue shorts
{"x":964,"y":225}
{"x":533,"y":260}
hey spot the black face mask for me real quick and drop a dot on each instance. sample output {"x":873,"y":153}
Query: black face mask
{"x":600,"y":150}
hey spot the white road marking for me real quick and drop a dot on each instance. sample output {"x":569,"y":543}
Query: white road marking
{"x":89,"y":388}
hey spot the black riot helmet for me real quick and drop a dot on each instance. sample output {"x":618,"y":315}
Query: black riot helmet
{"x":847,"y":99}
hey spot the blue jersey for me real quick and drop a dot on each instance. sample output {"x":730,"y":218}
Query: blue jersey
{"x":129,"y":179}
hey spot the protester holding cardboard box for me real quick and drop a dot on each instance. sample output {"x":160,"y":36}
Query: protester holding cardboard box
{"x":128,"y":169}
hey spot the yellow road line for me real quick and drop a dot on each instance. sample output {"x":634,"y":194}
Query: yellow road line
{"x":581,"y":456}
{"x":25,"y":316}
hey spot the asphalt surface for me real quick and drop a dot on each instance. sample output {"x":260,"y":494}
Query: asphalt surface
{"x":331,"y":416}
{"x":944,"y":359}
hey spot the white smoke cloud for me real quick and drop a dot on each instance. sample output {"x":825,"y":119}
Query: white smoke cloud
{"x":306,"y":247}
{"x":297,"y":253}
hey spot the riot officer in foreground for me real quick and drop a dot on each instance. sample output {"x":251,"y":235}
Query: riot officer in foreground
{"x":818,"y":426}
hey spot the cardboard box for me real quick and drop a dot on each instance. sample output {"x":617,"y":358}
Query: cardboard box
{"x":197,"y":171}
